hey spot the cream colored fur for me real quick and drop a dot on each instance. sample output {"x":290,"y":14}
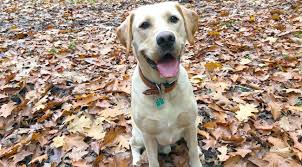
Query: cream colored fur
{"x":155,"y":129}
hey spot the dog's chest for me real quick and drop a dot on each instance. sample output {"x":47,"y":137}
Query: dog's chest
{"x":169,"y":123}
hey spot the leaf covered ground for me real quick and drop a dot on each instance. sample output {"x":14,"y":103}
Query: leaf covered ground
{"x":65,"y":83}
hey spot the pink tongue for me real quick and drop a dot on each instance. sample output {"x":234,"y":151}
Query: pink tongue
{"x":168,"y":67}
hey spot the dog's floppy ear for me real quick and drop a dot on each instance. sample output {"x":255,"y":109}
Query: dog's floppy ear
{"x":190,"y":20}
{"x":124,"y":32}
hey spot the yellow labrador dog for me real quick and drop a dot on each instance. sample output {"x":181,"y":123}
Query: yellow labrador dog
{"x":163,"y":105}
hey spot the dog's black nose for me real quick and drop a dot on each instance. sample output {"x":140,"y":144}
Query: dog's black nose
{"x":165,"y":39}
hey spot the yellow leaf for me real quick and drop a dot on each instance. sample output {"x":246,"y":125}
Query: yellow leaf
{"x":276,"y":17}
{"x":252,"y":19}
{"x":211,"y":66}
{"x":58,"y":141}
{"x":245,"y":111}
{"x":213,"y":33}
{"x":224,"y":13}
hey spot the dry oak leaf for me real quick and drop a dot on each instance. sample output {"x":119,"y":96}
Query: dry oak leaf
{"x":84,"y":100}
{"x":295,"y":108}
{"x":95,"y":131}
{"x":74,"y":141}
{"x":80,"y":163}
{"x":120,"y":160}
{"x":235,"y":161}
{"x":211,"y":66}
{"x":298,"y":153}
{"x":197,"y":79}
{"x":223,"y":150}
{"x":77,"y":154}
{"x":284,"y":124}
{"x":39,"y":159}
{"x":276,"y":160}
{"x":245,"y":61}
{"x":58,"y":141}
{"x":279,"y":146}
{"x":209,"y":143}
{"x":6,"y":109}
{"x":21,"y":155}
{"x":111,"y":113}
{"x":275,"y":109}
{"x":123,"y":142}
{"x":111,"y":136}
{"x":282,"y":76}
{"x":78,"y":124}
{"x":245,"y":111}
{"x":241,"y":151}
{"x":257,"y":161}
{"x":295,"y":136}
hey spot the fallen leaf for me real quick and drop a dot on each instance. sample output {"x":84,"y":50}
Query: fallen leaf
{"x":223,"y":150}
{"x":77,"y":153}
{"x":245,"y":111}
{"x":21,"y":155}
{"x":275,"y":109}
{"x":79,"y":124}
{"x":39,"y":159}
{"x":211,"y":66}
{"x":58,"y":141}
{"x":6,"y":109}
{"x":74,"y":141}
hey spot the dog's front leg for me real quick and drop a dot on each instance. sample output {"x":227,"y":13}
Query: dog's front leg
{"x":152,"y":150}
{"x":191,"y":140}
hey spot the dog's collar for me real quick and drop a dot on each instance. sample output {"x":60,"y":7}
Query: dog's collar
{"x":156,"y":89}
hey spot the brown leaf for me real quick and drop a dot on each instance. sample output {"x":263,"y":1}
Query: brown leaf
{"x":80,"y":163}
{"x":120,"y":160}
{"x":39,"y":159}
{"x":77,"y":153}
{"x":21,"y":155}
{"x":111,"y":135}
{"x":276,"y":160}
{"x":296,"y":138}
{"x":74,"y":141}
{"x":235,"y":161}
{"x":6,"y":109}
{"x":275,"y":109}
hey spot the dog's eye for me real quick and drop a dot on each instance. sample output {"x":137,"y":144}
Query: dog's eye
{"x":173,"y":19}
{"x":144,"y":25}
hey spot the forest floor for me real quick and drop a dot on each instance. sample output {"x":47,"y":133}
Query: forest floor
{"x":65,"y":83}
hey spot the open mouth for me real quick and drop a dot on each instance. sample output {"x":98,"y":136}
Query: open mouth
{"x":168,"y":66}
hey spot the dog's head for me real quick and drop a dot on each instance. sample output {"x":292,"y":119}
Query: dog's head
{"x":157,"y":34}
